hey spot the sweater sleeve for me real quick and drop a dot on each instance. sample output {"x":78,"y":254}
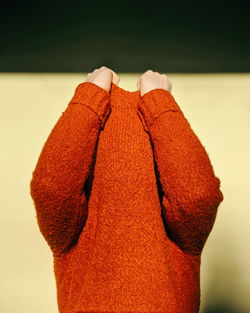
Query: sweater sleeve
{"x":191,"y":191}
{"x":57,"y":183}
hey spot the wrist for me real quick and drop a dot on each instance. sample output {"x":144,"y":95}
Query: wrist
{"x":95,"y":98}
{"x":155,"y":102}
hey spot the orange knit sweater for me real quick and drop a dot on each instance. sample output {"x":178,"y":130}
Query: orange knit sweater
{"x":125,"y":197}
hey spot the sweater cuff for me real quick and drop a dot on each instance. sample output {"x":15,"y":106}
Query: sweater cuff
{"x":95,"y":98}
{"x":155,"y":102}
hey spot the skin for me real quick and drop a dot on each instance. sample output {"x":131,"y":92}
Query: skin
{"x":103,"y":77}
{"x":151,"y":80}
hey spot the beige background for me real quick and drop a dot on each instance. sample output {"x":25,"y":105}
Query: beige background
{"x":218,"y":109}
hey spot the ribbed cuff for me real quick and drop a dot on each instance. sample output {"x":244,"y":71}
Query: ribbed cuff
{"x":95,"y":98}
{"x":154,"y":103}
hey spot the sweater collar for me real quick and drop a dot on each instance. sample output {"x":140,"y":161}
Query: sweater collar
{"x":124,"y":98}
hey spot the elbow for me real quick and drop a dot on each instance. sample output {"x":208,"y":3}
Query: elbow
{"x":37,"y":192}
{"x":43,"y":191}
{"x":35,"y":189}
{"x":209,"y":197}
{"x":215,"y":195}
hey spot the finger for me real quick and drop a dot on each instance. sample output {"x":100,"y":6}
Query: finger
{"x":139,"y":83}
{"x":114,"y":74}
{"x":147,"y":72}
{"x":115,"y":78}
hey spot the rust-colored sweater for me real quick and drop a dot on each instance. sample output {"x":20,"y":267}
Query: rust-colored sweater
{"x":125,"y":197}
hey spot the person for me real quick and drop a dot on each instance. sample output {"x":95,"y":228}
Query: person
{"x":126,"y":198}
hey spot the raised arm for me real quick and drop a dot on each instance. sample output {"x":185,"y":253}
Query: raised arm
{"x":57,"y":184}
{"x":191,"y":191}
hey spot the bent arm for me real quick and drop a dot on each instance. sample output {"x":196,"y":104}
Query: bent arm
{"x":57,"y":184}
{"x":191,"y":191}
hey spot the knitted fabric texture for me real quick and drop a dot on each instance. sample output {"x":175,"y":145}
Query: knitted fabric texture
{"x":126,"y":197}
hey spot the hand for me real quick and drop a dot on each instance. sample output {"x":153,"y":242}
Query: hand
{"x":103,"y":77}
{"x":151,"y":80}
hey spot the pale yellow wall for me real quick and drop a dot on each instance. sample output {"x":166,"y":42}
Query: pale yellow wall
{"x":218,"y":109}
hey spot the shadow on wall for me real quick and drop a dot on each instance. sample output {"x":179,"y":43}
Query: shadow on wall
{"x":226,"y":291}
{"x":222,"y":307}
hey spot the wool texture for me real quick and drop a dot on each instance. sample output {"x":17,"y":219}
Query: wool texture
{"x":126,"y":197}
